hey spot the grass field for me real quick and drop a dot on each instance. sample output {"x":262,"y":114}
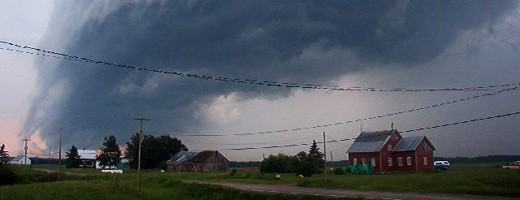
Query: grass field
{"x":472,"y":179}
{"x":94,"y":185}
{"x":461,"y":179}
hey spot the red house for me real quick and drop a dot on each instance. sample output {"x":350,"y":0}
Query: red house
{"x":388,"y":151}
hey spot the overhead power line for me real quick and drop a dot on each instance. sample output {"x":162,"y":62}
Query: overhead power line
{"x":359,"y":119}
{"x":267,"y":83}
{"x":407,"y":131}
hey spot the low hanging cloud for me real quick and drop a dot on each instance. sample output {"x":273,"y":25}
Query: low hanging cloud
{"x":286,"y":41}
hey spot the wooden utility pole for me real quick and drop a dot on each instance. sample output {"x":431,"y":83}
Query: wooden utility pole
{"x":139,"y":154}
{"x":25,"y":149}
{"x":59,"y":156}
{"x":325,"y":157}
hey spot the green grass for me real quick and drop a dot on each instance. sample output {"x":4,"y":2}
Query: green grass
{"x":65,"y":190}
{"x":472,"y":179}
{"x":461,"y":179}
{"x":123,"y":186}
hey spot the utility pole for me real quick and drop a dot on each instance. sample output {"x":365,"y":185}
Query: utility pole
{"x":59,"y":157}
{"x":325,"y":157}
{"x":49,"y":159}
{"x":139,"y":154}
{"x":331,"y":158}
{"x":26,"y":148}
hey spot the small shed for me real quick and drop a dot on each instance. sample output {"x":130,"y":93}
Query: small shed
{"x":204,"y":161}
{"x":20,"y":160}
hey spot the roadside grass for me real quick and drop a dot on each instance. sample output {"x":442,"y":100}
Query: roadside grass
{"x":25,"y":175}
{"x":65,"y":190}
{"x":470,"y":179}
{"x":155,"y":185}
{"x":65,"y":169}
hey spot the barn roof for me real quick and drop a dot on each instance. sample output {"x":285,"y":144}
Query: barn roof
{"x":411,"y":143}
{"x":371,"y":141}
{"x":194,"y":157}
{"x":202,"y":156}
{"x":180,"y":157}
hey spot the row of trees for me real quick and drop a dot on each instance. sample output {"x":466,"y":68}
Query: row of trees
{"x":302,"y":163}
{"x":155,"y":151}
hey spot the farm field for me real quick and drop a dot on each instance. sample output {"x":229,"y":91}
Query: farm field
{"x":468,"y":179}
{"x":92,"y":185}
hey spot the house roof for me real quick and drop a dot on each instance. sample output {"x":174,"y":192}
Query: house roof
{"x":87,"y":154}
{"x":180,"y":157}
{"x":371,"y":141}
{"x":411,"y":143}
{"x":18,"y":158}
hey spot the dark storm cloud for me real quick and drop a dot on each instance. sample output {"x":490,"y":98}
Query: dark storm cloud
{"x":260,"y":40}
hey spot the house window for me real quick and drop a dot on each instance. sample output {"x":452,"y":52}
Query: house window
{"x":363,"y":161}
{"x":354,"y":161}
{"x":389,"y":147}
{"x":408,"y":160}
{"x":373,"y":161}
{"x":425,"y":161}
{"x":389,"y":162}
{"x":400,"y":161}
{"x":424,"y":147}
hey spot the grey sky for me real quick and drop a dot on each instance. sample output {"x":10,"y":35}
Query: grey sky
{"x":348,"y":43}
{"x":23,"y":21}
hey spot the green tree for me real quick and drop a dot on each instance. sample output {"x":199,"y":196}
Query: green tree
{"x":304,"y":164}
{"x":155,"y":151}
{"x":280,"y":163}
{"x":315,"y":156}
{"x":72,"y":157}
{"x":110,"y":154}
{"x":4,"y":156}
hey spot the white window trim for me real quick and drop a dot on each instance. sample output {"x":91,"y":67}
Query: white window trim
{"x":390,"y":162}
{"x":400,"y":161}
{"x":373,"y":161}
{"x":408,"y":160}
{"x":425,"y":161}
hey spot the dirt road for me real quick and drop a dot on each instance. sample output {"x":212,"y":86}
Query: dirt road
{"x":286,"y":189}
{"x":54,"y":171}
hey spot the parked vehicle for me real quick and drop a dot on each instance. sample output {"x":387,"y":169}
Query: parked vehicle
{"x":513,"y":165}
{"x":441,"y":165}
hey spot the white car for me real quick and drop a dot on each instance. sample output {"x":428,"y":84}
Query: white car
{"x":441,"y":165}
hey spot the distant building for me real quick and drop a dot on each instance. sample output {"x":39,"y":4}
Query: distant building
{"x":388,"y":151}
{"x":87,"y":158}
{"x":20,"y":160}
{"x":204,"y":161}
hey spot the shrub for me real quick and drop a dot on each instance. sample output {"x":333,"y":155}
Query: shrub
{"x":53,"y":176}
{"x":7,"y":176}
{"x":347,"y":170}
{"x":233,"y":172}
{"x":338,"y":171}
{"x":303,"y":183}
